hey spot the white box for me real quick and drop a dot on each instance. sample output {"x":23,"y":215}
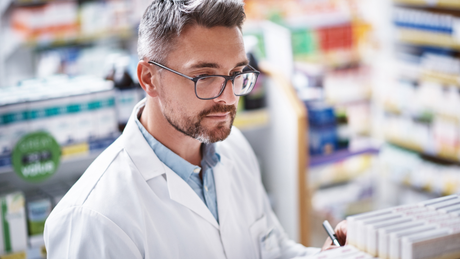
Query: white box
{"x":362,"y":227}
{"x":444,"y":204}
{"x":384,"y":236}
{"x":438,"y":243}
{"x":395,"y":238}
{"x":438,"y":200}
{"x":372,"y":237}
{"x":352,"y":234}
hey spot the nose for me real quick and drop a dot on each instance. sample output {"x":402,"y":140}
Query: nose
{"x":227,"y":97}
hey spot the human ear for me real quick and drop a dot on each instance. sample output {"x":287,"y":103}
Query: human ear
{"x":145,"y":73}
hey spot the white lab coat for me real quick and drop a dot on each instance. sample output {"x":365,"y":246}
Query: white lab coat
{"x":130,"y":205}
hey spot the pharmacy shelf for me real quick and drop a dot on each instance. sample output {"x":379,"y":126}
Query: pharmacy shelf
{"x":70,"y":169}
{"x":427,"y":38}
{"x":431,"y":3}
{"x":448,"y":188}
{"x":429,"y":177}
{"x":340,"y":167}
{"x":70,"y":153}
{"x":19,"y":255}
{"x":246,"y":120}
{"x":31,"y":253}
{"x":448,"y":117}
{"x":340,"y":156}
{"x":442,"y":78}
{"x":16,"y":42}
{"x":79,"y":38}
{"x":443,"y":154}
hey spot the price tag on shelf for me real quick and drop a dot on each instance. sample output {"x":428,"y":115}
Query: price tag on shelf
{"x":20,"y":255}
{"x":456,"y":29}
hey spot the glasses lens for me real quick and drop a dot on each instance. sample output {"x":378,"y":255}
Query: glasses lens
{"x":244,"y":83}
{"x":209,"y":87}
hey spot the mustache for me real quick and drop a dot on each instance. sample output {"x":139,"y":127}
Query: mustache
{"x":217,"y":109}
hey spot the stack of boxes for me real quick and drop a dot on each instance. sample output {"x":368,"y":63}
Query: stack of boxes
{"x":430,"y":229}
{"x":427,"y":230}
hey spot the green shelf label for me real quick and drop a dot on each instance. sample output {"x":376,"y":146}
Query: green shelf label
{"x":36,"y":156}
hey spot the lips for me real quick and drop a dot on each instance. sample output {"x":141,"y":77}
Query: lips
{"x":219,"y":111}
{"x":220,"y":115}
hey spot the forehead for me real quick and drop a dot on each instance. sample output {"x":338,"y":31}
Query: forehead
{"x":221,"y":45}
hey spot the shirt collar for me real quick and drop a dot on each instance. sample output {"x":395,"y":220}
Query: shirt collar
{"x":210,"y":154}
{"x":177,"y":164}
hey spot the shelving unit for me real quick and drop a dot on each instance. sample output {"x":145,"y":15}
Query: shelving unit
{"x":420,"y":159}
{"x":321,"y":44}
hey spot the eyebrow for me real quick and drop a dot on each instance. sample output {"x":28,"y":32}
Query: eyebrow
{"x":215,"y":65}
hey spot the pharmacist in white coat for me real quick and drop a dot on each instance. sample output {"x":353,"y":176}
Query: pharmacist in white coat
{"x":180,"y":182}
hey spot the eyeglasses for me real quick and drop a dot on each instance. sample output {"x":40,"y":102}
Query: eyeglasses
{"x":208,"y":87}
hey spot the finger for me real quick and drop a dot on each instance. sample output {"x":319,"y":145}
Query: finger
{"x":342,"y":227}
{"x":327,"y":244}
{"x":341,"y":240}
{"x":341,"y":232}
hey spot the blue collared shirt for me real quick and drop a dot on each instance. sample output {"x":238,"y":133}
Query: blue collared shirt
{"x":206,"y":188}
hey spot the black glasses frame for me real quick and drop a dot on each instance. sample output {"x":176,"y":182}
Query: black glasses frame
{"x":196,"y":79}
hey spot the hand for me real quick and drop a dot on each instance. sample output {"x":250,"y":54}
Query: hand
{"x":341,"y":233}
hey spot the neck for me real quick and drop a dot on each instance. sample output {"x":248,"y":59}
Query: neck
{"x":156,"y":124}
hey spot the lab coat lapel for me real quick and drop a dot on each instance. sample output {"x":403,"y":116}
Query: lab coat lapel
{"x":182,"y":193}
{"x":222,"y":173}
{"x":229,"y":227}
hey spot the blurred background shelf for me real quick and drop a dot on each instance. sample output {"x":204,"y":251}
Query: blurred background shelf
{"x":251,"y":119}
{"x":59,"y":41}
{"x":442,"y":78}
{"x":341,"y":167}
{"x":427,"y":38}
{"x":431,"y":3}
{"x":444,"y":154}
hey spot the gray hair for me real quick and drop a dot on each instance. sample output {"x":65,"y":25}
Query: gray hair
{"x":164,"y":20}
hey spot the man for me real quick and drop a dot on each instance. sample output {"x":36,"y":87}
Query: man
{"x":180,"y":182}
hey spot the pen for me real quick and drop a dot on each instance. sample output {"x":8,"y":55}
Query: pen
{"x":331,"y":233}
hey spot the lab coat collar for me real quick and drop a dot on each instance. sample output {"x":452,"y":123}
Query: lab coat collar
{"x":150,"y":166}
{"x":139,"y":150}
{"x":182,"y":193}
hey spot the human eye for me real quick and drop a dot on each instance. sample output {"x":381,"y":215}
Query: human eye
{"x":204,"y":78}
{"x":247,"y":69}
{"x":202,"y":74}
{"x":234,"y":73}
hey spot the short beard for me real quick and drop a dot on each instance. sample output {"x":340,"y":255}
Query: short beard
{"x":195,"y":130}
